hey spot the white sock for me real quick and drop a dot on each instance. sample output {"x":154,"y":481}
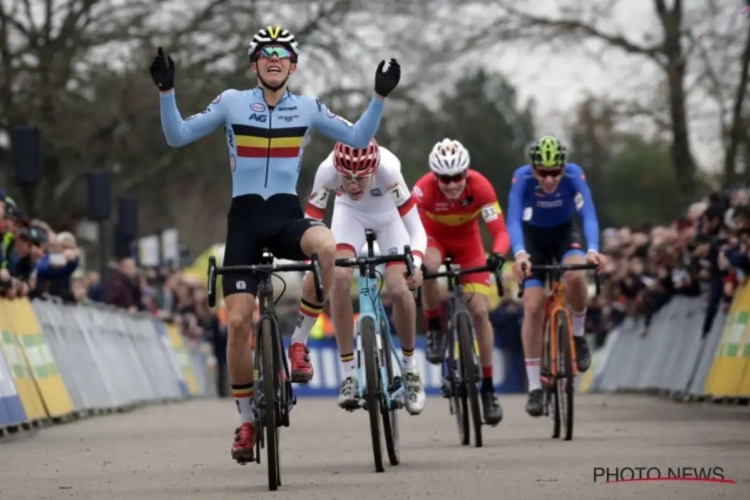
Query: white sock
{"x":532,"y":373}
{"x":306,"y":318}
{"x":408,"y":363}
{"x":348,"y":366}
{"x":243,"y":399}
{"x":579,"y":323}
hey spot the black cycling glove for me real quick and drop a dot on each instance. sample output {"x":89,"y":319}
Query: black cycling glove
{"x":494,"y":261}
{"x":162,"y":71}
{"x":386,"y":81}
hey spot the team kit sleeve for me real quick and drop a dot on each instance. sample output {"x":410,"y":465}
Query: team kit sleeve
{"x":324,"y":182}
{"x":419,"y":192}
{"x":357,"y":135}
{"x":585,"y":206}
{"x":515,"y":212}
{"x":493,"y":216}
{"x":407,"y":209}
{"x":180,"y":132}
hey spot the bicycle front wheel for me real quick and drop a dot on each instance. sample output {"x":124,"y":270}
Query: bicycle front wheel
{"x":390,"y":415}
{"x":470,"y":374}
{"x":565,"y":383}
{"x":549,"y":384}
{"x":270,"y":416}
{"x":372,"y":379}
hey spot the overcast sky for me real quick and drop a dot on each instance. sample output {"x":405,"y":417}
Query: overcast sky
{"x":558,"y":79}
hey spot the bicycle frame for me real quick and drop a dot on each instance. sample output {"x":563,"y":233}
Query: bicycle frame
{"x":555,"y":301}
{"x":457,"y":305}
{"x":370,"y":306}
{"x":267,"y":311}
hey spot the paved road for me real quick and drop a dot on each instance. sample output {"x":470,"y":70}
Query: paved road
{"x":181,"y":451}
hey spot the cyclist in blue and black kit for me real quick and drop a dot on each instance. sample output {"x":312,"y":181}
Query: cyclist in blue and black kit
{"x":266,"y":129}
{"x":544,"y":195}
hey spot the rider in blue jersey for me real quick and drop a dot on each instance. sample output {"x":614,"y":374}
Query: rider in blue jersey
{"x":544,"y":195}
{"x":266,"y":129}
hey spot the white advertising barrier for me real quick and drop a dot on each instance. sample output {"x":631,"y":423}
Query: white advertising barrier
{"x":669,"y":356}
{"x":110,"y":359}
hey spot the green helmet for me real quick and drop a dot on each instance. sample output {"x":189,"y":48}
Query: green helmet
{"x":547,"y":152}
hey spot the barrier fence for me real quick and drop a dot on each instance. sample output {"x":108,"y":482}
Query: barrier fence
{"x":60,"y":361}
{"x":508,"y":369}
{"x":674,"y":358}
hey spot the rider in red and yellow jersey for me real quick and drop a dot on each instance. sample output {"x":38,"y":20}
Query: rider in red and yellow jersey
{"x":450,"y":200}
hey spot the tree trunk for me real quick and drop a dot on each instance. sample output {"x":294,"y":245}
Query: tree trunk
{"x":684,"y":163}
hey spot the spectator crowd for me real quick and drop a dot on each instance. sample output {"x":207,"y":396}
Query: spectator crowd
{"x":706,"y":253}
{"x":37,"y":262}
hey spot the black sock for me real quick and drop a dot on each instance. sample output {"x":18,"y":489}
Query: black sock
{"x":487,"y":385}
{"x":433,"y":324}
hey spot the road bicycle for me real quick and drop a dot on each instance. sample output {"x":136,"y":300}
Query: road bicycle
{"x":461,"y":374}
{"x":273,"y":397}
{"x":558,"y":368}
{"x":383,"y":391}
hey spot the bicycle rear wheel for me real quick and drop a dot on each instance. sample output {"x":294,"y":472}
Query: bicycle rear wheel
{"x":270,"y":383}
{"x":549,"y":385}
{"x":565,"y":383}
{"x":390,"y":415}
{"x":469,"y":373}
{"x":372,"y":397}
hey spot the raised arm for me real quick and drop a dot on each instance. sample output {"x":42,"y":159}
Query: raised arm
{"x":180,"y":132}
{"x":357,"y":135}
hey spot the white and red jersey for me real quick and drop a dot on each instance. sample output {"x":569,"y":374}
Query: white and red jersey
{"x":387,"y":203}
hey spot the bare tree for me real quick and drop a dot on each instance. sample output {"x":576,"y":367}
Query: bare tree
{"x":78,"y":70}
{"x":680,"y":51}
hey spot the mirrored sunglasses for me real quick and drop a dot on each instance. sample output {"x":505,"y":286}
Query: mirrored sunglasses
{"x":280,"y":52}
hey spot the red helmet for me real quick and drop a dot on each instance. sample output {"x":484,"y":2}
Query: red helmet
{"x":356,"y":162}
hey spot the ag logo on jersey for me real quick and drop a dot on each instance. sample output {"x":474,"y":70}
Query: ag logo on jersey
{"x":417,"y":192}
{"x":376,"y":192}
{"x":256,"y":106}
{"x":233,"y":162}
{"x":579,"y":201}
{"x":467,"y":201}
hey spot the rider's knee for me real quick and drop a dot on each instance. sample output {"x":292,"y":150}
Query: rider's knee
{"x":327,"y":251}
{"x":575,"y":280}
{"x":397,"y":288}
{"x":533,"y":302}
{"x":240,"y":323}
{"x":342,"y":279}
{"x":478,"y":306}
{"x":432,"y":261}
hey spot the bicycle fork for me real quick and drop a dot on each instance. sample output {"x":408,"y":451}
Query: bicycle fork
{"x":391,"y":394}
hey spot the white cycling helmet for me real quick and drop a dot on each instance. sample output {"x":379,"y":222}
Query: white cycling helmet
{"x":449,"y":157}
